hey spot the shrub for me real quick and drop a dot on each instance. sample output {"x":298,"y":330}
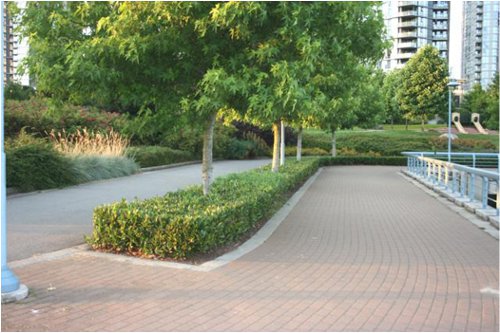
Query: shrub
{"x":317,"y":139}
{"x":292,"y":151}
{"x":464,"y":145}
{"x":87,"y":142}
{"x":37,"y":166}
{"x":148,"y":156}
{"x":39,"y":116}
{"x":364,"y":160}
{"x":89,"y":168}
{"x":16,"y":91}
{"x":183,"y":223}
{"x":239,"y":150}
{"x":344,"y":151}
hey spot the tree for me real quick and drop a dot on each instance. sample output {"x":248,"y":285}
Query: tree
{"x":157,"y":60}
{"x":492,"y":109}
{"x":475,"y":101}
{"x":390,"y":88}
{"x":424,"y":84}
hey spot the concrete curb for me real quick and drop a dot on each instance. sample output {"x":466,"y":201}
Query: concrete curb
{"x":168,"y":166}
{"x":258,"y":239}
{"x":450,"y":201}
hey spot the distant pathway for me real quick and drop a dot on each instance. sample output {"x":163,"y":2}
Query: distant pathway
{"x":363,"y":250}
{"x":56,"y":219}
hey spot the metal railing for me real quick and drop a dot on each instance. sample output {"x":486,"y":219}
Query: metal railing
{"x":465,"y":176}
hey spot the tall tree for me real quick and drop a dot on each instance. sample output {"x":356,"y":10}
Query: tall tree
{"x":145,"y":57}
{"x":492,"y":109}
{"x":424,"y":84}
{"x":391,"y":85}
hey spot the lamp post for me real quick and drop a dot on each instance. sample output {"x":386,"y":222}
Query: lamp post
{"x":451,"y":86}
{"x":12,"y":290}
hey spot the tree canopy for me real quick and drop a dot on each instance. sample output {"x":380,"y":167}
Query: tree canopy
{"x":424,"y":84}
{"x":162,"y":61}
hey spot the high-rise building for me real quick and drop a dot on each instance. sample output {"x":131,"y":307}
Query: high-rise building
{"x":9,"y":46}
{"x":480,"y":50}
{"x":413,"y":24}
{"x":14,"y":50}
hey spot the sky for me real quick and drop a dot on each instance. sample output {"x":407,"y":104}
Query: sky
{"x":456,"y":39}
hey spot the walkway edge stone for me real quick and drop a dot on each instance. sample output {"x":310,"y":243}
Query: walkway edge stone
{"x":255,"y":241}
{"x":486,"y":226}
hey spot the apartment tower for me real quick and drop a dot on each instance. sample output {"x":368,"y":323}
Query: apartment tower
{"x":413,"y":24}
{"x":9,"y":46}
{"x":480,"y":50}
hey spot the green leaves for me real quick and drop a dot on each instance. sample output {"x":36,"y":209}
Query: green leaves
{"x":185,"y":223}
{"x":424,"y":82}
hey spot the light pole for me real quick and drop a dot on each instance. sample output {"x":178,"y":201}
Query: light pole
{"x":12,"y":290}
{"x":451,"y":86}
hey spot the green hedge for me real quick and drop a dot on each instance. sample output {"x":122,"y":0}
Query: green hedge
{"x":363,"y":160}
{"x":392,"y":143}
{"x":292,"y":151}
{"x":185,"y":222}
{"x":148,"y":156}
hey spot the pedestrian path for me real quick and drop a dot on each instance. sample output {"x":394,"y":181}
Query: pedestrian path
{"x":364,"y":249}
{"x":46,"y":221}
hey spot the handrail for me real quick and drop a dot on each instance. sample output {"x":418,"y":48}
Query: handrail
{"x":440,"y":153}
{"x":456,"y":179}
{"x":482,"y":160}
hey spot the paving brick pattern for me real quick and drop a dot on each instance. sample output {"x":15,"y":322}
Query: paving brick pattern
{"x":363,"y":250}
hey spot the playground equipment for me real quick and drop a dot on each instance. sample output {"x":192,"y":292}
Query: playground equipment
{"x":475,"y":120}
{"x":455,"y":118}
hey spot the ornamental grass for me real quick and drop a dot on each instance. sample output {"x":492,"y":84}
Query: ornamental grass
{"x":86,"y":142}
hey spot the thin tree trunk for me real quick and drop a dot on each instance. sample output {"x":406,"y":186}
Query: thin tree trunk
{"x":299,"y":144}
{"x":207,"y":165}
{"x":392,"y":123}
{"x":406,"y":123}
{"x":334,"y":143}
{"x":282,"y":144}
{"x":276,"y":147}
{"x":422,"y":123}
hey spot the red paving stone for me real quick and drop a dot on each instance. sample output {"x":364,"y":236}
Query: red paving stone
{"x":364,"y":250}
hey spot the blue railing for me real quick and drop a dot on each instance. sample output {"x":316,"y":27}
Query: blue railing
{"x":475,"y":160}
{"x":475,"y":181}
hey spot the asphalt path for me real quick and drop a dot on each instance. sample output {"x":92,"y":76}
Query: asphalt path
{"x":47,"y":221}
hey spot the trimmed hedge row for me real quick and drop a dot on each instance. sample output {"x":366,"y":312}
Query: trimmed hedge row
{"x":185,"y":222}
{"x":364,"y":160}
{"x":148,"y":156}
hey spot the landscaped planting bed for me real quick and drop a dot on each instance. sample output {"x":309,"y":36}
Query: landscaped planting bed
{"x":184,"y":223}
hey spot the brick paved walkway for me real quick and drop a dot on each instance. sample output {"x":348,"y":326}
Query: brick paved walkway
{"x":363,"y":250}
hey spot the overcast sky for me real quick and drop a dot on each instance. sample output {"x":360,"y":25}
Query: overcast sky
{"x":456,"y":39}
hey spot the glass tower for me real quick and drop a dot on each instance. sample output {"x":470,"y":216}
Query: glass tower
{"x":413,"y":24}
{"x":480,"y":43}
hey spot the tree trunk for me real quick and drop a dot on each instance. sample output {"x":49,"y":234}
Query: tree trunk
{"x":422,"y":123}
{"x":334,"y":143}
{"x":392,"y":123}
{"x":282,"y":144}
{"x":406,"y":123}
{"x":276,"y":147}
{"x":207,"y":165}
{"x":299,"y":144}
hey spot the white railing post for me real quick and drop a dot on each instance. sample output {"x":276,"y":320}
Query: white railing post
{"x":484,"y":193}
